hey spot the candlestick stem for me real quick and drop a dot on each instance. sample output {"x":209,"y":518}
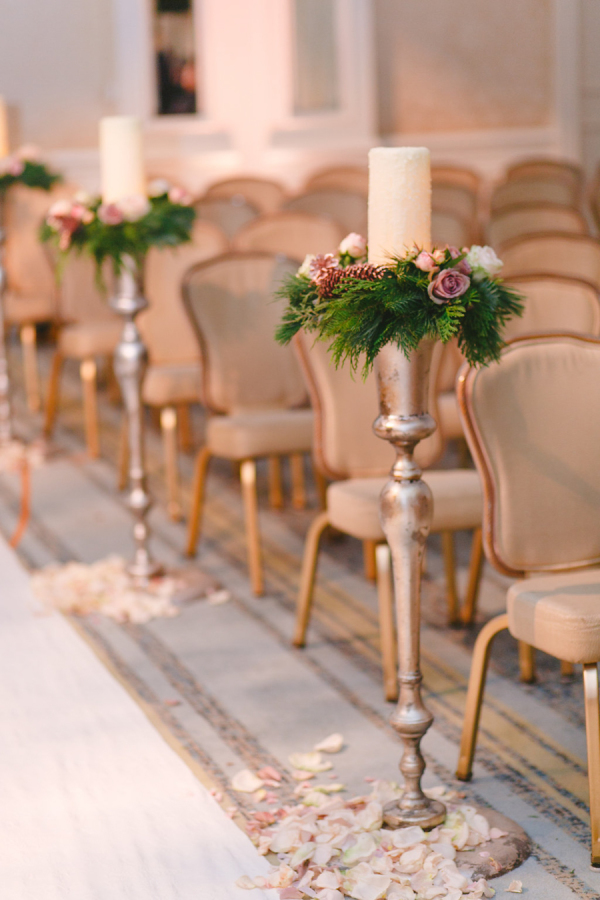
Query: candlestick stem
{"x":5,"y":413}
{"x":406,"y":510}
{"x":130,"y":362}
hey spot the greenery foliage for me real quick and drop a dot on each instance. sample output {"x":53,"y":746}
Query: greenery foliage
{"x":33,"y":174}
{"x":362,"y":308}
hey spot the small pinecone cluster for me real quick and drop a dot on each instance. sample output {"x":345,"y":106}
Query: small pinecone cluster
{"x":334,"y":277}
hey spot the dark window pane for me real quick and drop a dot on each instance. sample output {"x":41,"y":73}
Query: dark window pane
{"x":174,"y":43}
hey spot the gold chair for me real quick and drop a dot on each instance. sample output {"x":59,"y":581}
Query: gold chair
{"x":174,"y":375}
{"x":228,"y":213}
{"x":534,"y":190}
{"x":347,"y":451}
{"x":571,"y":255}
{"x":252,"y":386}
{"x":265,"y":195}
{"x":523,"y":219}
{"x":347,"y":208}
{"x":87,"y":330}
{"x":293,"y":234}
{"x":339,"y":178}
{"x":546,"y":167}
{"x":538,"y":458}
{"x":31,"y":295}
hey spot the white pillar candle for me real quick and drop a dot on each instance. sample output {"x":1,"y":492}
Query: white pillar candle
{"x":4,"y":142}
{"x":399,"y":201}
{"x":121,"y":158}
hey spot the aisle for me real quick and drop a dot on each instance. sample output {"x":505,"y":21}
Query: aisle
{"x":93,"y":802}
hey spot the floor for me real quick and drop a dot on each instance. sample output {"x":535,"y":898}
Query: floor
{"x":224,"y":686}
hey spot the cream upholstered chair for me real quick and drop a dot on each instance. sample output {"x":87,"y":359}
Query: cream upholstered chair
{"x":263,"y":193}
{"x":293,"y":234}
{"x":538,"y":458}
{"x":456,"y":175}
{"x":339,"y":178}
{"x":572,"y":255}
{"x":547,"y":167}
{"x":451,"y":228}
{"x":347,"y":208}
{"x":347,"y":451}
{"x":534,"y":190}
{"x":31,"y":295}
{"x":173,"y":378}
{"x":88,"y":329}
{"x":252,"y":386}
{"x":228,"y":213}
{"x":533,"y":218}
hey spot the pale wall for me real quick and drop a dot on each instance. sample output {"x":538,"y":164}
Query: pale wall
{"x":451,"y":65}
{"x":56,"y":65}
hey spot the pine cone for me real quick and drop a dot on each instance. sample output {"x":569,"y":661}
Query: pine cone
{"x":329,"y":280}
{"x":334,"y":277}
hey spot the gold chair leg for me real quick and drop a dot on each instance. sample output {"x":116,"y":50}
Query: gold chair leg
{"x":123,"y":455}
{"x":248,"y":480}
{"x":469,"y":608}
{"x":52,"y":399}
{"x":275,"y":484}
{"x":479,"y":663}
{"x":450,"y":569}
{"x":30,"y":368}
{"x":387,"y":630}
{"x":186,"y":440}
{"x":369,"y":561}
{"x":88,"y":372}
{"x":168,"y":426}
{"x":321,"y":485}
{"x":298,"y":489}
{"x":592,"y":731}
{"x":307,"y":579}
{"x":202,"y":461}
{"x":526,"y":663}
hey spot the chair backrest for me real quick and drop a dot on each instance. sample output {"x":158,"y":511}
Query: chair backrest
{"x":347,"y":208}
{"x":230,"y":302}
{"x":345,"y":407}
{"x":572,"y":255}
{"x":456,"y":175}
{"x":534,"y":190}
{"x":455,"y":199}
{"x":228,"y":213}
{"x":165,"y":325}
{"x":340,"y":178}
{"x":27,"y":262}
{"x":294,"y":234}
{"x":533,"y":425}
{"x":533,"y":218}
{"x":80,"y":298}
{"x":546,"y":167}
{"x":263,"y":193}
{"x":554,"y":303}
{"x":450,"y":228}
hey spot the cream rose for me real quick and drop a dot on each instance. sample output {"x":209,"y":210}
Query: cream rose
{"x":354,"y":245}
{"x":484,"y":262}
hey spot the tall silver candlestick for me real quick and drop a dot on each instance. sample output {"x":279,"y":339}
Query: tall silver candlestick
{"x":5,"y":416}
{"x":130,"y":362}
{"x":406,"y":510}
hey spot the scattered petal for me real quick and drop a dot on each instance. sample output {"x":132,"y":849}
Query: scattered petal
{"x":245,"y":883}
{"x":301,"y":775}
{"x":268,"y":773}
{"x":496,"y":833}
{"x":515,"y":887}
{"x":331,"y":744}
{"x":310,"y":762}
{"x":259,"y":796}
{"x":246,"y":782}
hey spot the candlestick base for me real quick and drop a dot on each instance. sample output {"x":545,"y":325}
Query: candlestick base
{"x":396,"y":816}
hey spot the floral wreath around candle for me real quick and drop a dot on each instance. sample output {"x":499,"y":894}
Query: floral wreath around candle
{"x":25,"y":167}
{"x":126,"y":228}
{"x":361,"y":307}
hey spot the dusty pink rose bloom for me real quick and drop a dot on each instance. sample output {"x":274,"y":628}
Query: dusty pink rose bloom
{"x":448,"y":285}
{"x":463,"y":266}
{"x":439,"y":255}
{"x":321,"y":265}
{"x":110,"y":214}
{"x":354,"y":245}
{"x":425,"y":262}
{"x":16,"y":167}
{"x":180,"y":195}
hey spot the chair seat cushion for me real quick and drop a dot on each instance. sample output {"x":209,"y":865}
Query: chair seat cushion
{"x":353,"y":505}
{"x":25,"y":309}
{"x":268,"y":432}
{"x":559,"y":614}
{"x":83,"y":340}
{"x":170,"y":383}
{"x":449,"y":416}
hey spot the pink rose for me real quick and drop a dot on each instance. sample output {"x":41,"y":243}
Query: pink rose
{"x":110,"y":214}
{"x":448,"y":285}
{"x":425,"y":262}
{"x":181,"y":196}
{"x":439,"y":255}
{"x":354,"y":245}
{"x":321,"y":265}
{"x":463,"y":266}
{"x":133,"y":208}
{"x":16,"y":167}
